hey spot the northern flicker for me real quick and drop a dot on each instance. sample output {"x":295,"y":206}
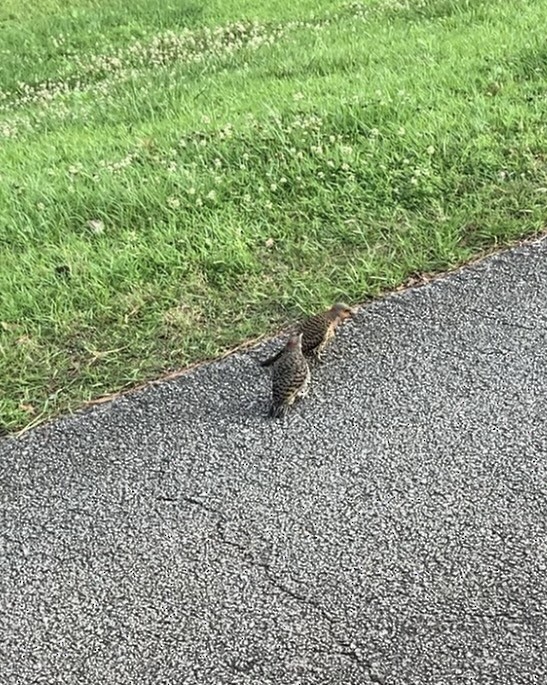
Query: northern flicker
{"x":317,"y":331}
{"x":290,"y":376}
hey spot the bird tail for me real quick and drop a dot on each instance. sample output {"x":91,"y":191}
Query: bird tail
{"x":278,"y":411}
{"x":271,"y":360}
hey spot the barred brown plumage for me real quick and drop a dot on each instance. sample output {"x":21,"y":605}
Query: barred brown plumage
{"x":317,"y":331}
{"x":290,"y":377}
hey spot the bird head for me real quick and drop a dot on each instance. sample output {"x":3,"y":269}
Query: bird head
{"x":295,"y":341}
{"x":341,"y":311}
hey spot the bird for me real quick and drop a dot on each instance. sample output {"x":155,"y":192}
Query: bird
{"x":317,"y":331}
{"x":290,"y":377}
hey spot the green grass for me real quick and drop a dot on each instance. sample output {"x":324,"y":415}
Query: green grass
{"x":179,"y":176}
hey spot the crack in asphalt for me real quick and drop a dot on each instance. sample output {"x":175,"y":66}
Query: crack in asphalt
{"x":347,"y":649}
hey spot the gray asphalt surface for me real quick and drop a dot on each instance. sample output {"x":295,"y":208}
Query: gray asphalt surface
{"x":394,"y":530}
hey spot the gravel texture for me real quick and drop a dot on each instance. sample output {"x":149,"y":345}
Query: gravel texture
{"x":393,"y":530}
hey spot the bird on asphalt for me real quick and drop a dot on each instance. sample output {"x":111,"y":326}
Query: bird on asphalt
{"x":317,"y":331}
{"x":290,"y":377}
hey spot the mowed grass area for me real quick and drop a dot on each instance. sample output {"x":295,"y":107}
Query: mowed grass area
{"x":179,"y":176}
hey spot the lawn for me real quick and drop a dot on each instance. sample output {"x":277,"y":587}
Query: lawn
{"x":177,"y":177}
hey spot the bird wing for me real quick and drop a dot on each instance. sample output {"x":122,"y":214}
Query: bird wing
{"x":314,"y":330}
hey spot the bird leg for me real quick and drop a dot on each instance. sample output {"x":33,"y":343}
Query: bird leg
{"x":318,"y":354}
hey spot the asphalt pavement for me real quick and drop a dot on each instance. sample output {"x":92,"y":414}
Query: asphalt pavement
{"x":393,"y":530}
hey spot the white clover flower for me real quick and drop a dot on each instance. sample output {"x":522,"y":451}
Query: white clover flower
{"x":96,"y":226}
